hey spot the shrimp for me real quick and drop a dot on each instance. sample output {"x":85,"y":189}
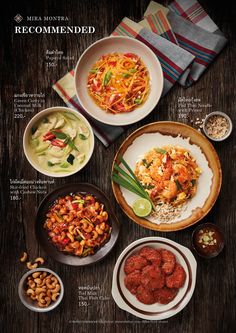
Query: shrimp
{"x":181,"y":172}
{"x":100,"y":228}
{"x":170,"y":190}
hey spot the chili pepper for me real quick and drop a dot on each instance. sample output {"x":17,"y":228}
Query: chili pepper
{"x":131,"y":55}
{"x":112,"y":63}
{"x":58,"y":143}
{"x":65,"y":241}
{"x":48,"y":136}
{"x":74,"y":206}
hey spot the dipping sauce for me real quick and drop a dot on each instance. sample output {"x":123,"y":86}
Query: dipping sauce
{"x":208,"y":240}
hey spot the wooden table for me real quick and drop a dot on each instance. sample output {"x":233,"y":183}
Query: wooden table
{"x":212,"y":307}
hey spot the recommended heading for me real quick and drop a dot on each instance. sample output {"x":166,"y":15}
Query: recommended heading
{"x":54,"y":30}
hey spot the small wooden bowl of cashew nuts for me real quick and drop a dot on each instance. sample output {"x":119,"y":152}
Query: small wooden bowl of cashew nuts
{"x":41,"y":290}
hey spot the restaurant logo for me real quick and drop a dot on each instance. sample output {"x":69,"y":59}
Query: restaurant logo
{"x":49,"y":29}
{"x":18,"y":18}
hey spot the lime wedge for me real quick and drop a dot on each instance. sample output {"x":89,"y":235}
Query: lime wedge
{"x":142,"y":207}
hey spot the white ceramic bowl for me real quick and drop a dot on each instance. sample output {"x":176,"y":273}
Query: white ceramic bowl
{"x":31,"y":304}
{"x":119,"y":44}
{"x":27,"y":132}
{"x":128,"y":302}
{"x":224,"y":115}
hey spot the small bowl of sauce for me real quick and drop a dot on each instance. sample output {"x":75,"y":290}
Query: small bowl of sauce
{"x":208,"y":240}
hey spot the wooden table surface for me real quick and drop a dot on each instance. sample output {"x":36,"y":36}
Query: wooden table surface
{"x":212,"y":307}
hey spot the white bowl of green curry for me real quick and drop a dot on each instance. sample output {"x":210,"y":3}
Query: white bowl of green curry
{"x":58,"y":142}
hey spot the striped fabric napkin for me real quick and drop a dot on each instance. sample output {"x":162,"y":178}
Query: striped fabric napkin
{"x":183,"y":37}
{"x":174,"y":59}
{"x":194,"y":31}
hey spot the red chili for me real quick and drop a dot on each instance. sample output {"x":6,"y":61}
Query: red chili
{"x":74,"y":206}
{"x":96,"y":85}
{"x":65,"y":241}
{"x":120,"y":107}
{"x":131,"y":55}
{"x":112,"y":63}
{"x":58,"y":143}
{"x":48,"y":136}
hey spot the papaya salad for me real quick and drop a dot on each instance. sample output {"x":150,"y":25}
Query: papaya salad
{"x":119,"y":82}
{"x":78,"y":224}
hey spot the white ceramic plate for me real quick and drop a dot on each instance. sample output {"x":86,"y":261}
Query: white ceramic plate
{"x":123,"y":45}
{"x":128,"y":302}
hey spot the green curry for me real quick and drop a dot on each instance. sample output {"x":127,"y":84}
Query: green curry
{"x":60,"y":142}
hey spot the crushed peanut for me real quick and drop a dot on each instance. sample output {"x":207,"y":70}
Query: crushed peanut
{"x":217,"y":126}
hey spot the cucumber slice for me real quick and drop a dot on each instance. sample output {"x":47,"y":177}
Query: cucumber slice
{"x":80,"y":158}
{"x":52,"y":123}
{"x":56,"y":152}
{"x":60,"y":123}
{"x":84,"y":131}
{"x":54,"y":161}
{"x":36,"y":134}
{"x":70,"y":116}
{"x":64,"y":165}
{"x":34,"y":143}
{"x":42,"y":147}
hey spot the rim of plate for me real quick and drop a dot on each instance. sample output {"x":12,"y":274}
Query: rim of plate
{"x":121,"y":123}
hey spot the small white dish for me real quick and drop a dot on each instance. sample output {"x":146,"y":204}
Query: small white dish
{"x":43,"y":114}
{"x":128,"y":302}
{"x":31,"y":304}
{"x":224,"y":115}
{"x":119,"y":44}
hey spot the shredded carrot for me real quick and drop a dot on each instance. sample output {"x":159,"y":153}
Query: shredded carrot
{"x":119,"y":82}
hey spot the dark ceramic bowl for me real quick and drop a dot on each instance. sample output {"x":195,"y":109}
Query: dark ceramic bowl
{"x":51,"y":249}
{"x":198,"y":250}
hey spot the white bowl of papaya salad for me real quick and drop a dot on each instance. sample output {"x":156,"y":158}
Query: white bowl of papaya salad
{"x":118,"y":80}
{"x":58,"y":141}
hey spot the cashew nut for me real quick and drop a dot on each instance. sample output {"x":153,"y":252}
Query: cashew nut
{"x":41,"y":298}
{"x":30,"y":292}
{"x":54,"y":297}
{"x":54,"y":280}
{"x":39,"y":290}
{"x":24,"y":257}
{"x":42,"y":287}
{"x":56,"y":289}
{"x":34,"y":297}
{"x":48,"y":300}
{"x":42,"y":305}
{"x":31,"y":266}
{"x":35,"y":275}
{"x":43,"y":275}
{"x":31,"y":283}
{"x":39,"y":260}
{"x":39,"y":282}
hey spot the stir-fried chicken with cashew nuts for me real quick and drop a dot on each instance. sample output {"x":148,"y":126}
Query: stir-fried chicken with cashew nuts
{"x":78,"y":224}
